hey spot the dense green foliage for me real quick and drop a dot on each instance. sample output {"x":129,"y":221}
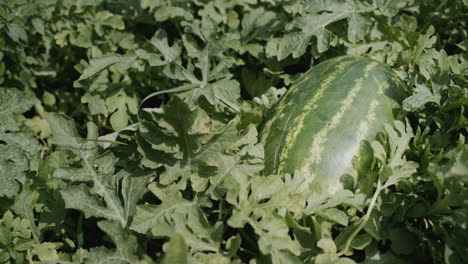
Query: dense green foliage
{"x":129,"y":132}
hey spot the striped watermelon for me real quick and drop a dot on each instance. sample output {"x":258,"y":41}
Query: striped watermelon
{"x":318,"y":125}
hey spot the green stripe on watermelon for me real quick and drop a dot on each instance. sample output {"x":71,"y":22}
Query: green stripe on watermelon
{"x":317,"y":126}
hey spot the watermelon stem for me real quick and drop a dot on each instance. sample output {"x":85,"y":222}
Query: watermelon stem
{"x":364,"y":220}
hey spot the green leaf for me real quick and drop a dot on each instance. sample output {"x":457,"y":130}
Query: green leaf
{"x":403,"y":242}
{"x":256,"y":82}
{"x":5,"y":236}
{"x":10,"y":178}
{"x":399,"y":142}
{"x":295,"y":43}
{"x":24,"y":205}
{"x":176,"y":215}
{"x":389,"y":7}
{"x":334,"y":215}
{"x":260,"y":24}
{"x":224,"y":92}
{"x":285,"y":257}
{"x":374,"y":256}
{"x":233,"y":244}
{"x":361,"y":241}
{"x":108,"y":19}
{"x":96,"y":104}
{"x":126,"y":244}
{"x":133,"y":189}
{"x":38,"y":25}
{"x":315,"y":23}
{"x":99,"y":255}
{"x":357,"y":27}
{"x":176,"y":251}
{"x":160,"y":42}
{"x":64,"y":131}
{"x":362,"y":163}
{"x":14,"y":101}
{"x":73,"y":174}
{"x":317,"y":202}
{"x":327,"y":245}
{"x":121,"y":106}
{"x":175,"y":129}
{"x":231,"y":152}
{"x":17,"y":33}
{"x":98,"y":64}
{"x":97,"y":169}
{"x":423,"y":96}
{"x":148,"y":216}
{"x":83,"y":36}
{"x":47,"y":251}
{"x":80,"y":198}
{"x":373,"y":226}
{"x":332,"y":258}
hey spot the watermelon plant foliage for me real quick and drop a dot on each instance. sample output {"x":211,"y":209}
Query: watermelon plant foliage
{"x":129,"y":133}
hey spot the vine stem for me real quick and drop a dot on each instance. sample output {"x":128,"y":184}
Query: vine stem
{"x":364,"y":219}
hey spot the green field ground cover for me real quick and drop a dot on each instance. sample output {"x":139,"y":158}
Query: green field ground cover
{"x":131,"y":132}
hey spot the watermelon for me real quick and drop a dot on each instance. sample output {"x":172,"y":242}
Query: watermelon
{"x":318,"y":125}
